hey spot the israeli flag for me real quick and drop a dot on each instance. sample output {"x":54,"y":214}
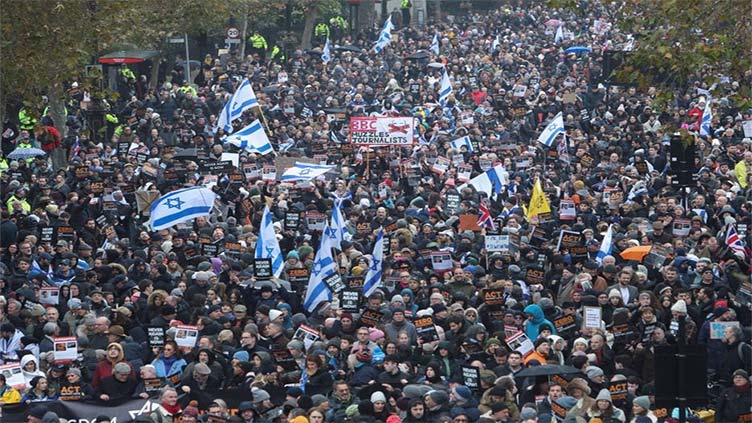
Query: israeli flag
{"x":464,"y":141}
{"x":496,"y":43}
{"x":385,"y":36}
{"x":243,"y":99}
{"x":707,"y":116}
{"x":180,"y":206}
{"x":323,"y":266}
{"x":338,"y":226}
{"x":304,"y":172}
{"x":606,"y":245}
{"x":267,"y":245}
{"x":702,"y":213}
{"x":559,"y":37}
{"x":445,"y":90}
{"x":638,"y":189}
{"x":326,"y":55}
{"x":373,"y":277}
{"x":554,"y":128}
{"x":251,"y":138}
{"x":435,"y":44}
{"x":491,"y":181}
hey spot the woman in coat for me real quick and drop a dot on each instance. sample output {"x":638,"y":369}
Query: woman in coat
{"x":169,"y":363}
{"x":169,"y":409}
{"x":315,"y":377}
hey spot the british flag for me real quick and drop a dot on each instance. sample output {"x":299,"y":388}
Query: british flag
{"x":734,"y":242}
{"x":485,"y":220}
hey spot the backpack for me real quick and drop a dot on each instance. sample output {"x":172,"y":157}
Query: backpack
{"x":744,"y":350}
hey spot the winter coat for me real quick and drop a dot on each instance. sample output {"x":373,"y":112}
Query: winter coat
{"x":732,"y":403}
{"x":532,"y":325}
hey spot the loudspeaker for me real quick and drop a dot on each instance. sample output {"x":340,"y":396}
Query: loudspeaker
{"x":686,"y":371}
{"x":682,"y":161}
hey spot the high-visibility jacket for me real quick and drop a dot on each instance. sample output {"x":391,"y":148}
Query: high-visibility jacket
{"x":111,"y":118}
{"x":321,"y":30}
{"x":3,"y":165}
{"x":338,"y":21}
{"x":188,"y":89}
{"x":24,"y":203}
{"x":26,"y":122}
{"x":405,"y":4}
{"x":276,"y":51}
{"x":127,"y":73}
{"x":258,"y":41}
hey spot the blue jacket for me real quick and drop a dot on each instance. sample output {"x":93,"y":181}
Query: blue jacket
{"x":163,"y":371}
{"x":532,"y":325}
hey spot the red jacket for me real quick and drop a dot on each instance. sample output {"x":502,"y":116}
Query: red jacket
{"x":50,"y":138}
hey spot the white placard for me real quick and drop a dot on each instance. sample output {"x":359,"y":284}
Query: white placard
{"x":567,"y":210}
{"x":442,"y":260}
{"x":186,"y":336}
{"x":13,"y":375}
{"x":49,"y":295}
{"x":497,"y":243}
{"x":717,"y":328}
{"x":521,"y":343}
{"x":747,"y":126}
{"x":233,"y":157}
{"x":66,"y":349}
{"x":592,"y":317}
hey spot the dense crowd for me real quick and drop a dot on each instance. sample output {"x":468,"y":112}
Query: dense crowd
{"x":544,"y":329}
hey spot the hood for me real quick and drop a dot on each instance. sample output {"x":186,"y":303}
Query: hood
{"x":536,"y":312}
{"x":208,"y":352}
{"x":27,"y":358}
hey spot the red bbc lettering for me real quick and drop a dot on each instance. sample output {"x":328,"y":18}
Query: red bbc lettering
{"x":368,"y":124}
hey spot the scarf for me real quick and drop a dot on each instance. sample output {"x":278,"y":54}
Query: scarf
{"x":741,"y":389}
{"x":172,"y":409}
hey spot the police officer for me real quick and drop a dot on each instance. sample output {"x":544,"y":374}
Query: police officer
{"x":258,"y":44}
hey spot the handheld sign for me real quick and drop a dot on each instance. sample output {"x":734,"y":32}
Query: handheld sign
{"x":186,"y":336}
{"x":262,"y":268}
{"x":471,"y":377}
{"x":371,"y":318}
{"x":592,"y":317}
{"x":425,"y":328}
{"x":66,"y":349}
{"x":350,"y":300}
{"x":156,"y":336}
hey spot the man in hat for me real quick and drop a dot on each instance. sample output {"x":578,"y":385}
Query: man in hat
{"x":120,"y":385}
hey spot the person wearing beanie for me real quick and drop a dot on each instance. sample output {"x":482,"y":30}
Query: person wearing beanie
{"x":735,"y":400}
{"x":399,"y":324}
{"x":120,"y":385}
{"x":74,"y":388}
{"x":39,"y":391}
{"x":679,"y":312}
{"x":437,"y":405}
{"x":462,"y":401}
{"x":641,"y":407}
{"x":381,"y":410}
{"x":605,"y":410}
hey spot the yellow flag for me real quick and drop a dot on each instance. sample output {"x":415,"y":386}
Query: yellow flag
{"x":538,"y":201}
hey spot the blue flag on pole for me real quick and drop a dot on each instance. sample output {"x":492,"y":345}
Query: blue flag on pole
{"x":445,"y":90}
{"x":251,"y":138}
{"x":180,"y":206}
{"x":267,"y":245}
{"x":373,"y":277}
{"x":243,"y":99}
{"x":323,"y":266}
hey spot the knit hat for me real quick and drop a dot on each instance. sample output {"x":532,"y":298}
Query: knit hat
{"x":462,"y":393}
{"x":487,"y":376}
{"x":191,"y":410}
{"x":614,"y":294}
{"x":74,"y":371}
{"x":566,"y":401}
{"x":680,"y":307}
{"x":643,"y":401}
{"x":33,"y":382}
{"x":259,"y":394}
{"x":580,"y":341}
{"x":439,"y":397}
{"x":741,"y":372}
{"x":393,"y":419}
{"x":241,"y":355}
{"x":578,"y":383}
{"x":593,"y":372}
{"x":202,"y":369}
{"x":378,"y":396}
{"x":122,"y":368}
{"x":295,"y":345}
{"x":274,"y":314}
{"x":604,"y":395}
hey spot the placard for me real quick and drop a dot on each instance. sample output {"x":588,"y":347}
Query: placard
{"x":382,"y":131}
{"x":441,"y":260}
{"x":262,"y":268}
{"x":657,"y":256}
{"x":592,"y":317}
{"x":186,"y":336}
{"x":564,"y":323}
{"x":316,"y":221}
{"x":156,"y":336}
{"x":521,"y":343}
{"x":425,"y":328}
{"x":283,"y":358}
{"x":469,"y":222}
{"x":647,"y":332}
{"x":494,"y":297}
{"x":349,"y":300}
{"x":334,"y":282}
{"x":66,"y":349}
{"x":471,"y":377}
{"x":251,"y":171}
{"x":81,"y":172}
{"x":567,"y":210}
{"x":494,"y":243}
{"x":718,"y":328}
{"x":371,"y":318}
{"x":65,"y":233}
{"x":47,"y":234}
{"x":559,"y":412}
{"x":355,"y":282}
{"x":269,"y":173}
{"x":681,"y":227}
{"x":747,"y":127}
{"x":569,"y":239}
{"x":292,"y":220}
{"x":618,"y":390}
{"x":233,"y":249}
{"x":298,"y":275}
{"x":307,"y":335}
{"x":441,"y":165}
{"x":13,"y":375}
{"x":464,"y":172}
{"x":535,"y":276}
{"x":452,"y":203}
{"x":155,"y":384}
{"x":49,"y":295}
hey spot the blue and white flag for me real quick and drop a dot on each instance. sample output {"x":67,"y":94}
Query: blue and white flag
{"x":267,"y":245}
{"x":326,"y":55}
{"x":373,"y":277}
{"x":446,"y":89}
{"x":496,"y":43}
{"x":606,"y":245}
{"x":251,"y":138}
{"x":491,"y":181}
{"x":559,"y":37}
{"x":304,"y":172}
{"x":464,"y":141}
{"x":385,"y":36}
{"x":702,"y":213}
{"x":180,"y":206}
{"x":639,"y":188}
{"x":435,"y":44}
{"x":707,"y":116}
{"x":554,"y":128}
{"x":243,"y":99}
{"x":323,"y":266}
{"x":339,"y":228}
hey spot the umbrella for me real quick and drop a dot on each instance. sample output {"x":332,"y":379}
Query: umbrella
{"x":436,"y":65}
{"x":553,"y":22}
{"x":636,"y":253}
{"x":419,"y":55}
{"x":577,"y":50}
{"x":185,"y":154}
{"x":25,"y":153}
{"x":355,"y":49}
{"x":547,"y":370}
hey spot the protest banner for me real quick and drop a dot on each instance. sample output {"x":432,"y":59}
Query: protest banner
{"x":425,"y":328}
{"x":382,"y":131}
{"x":66,"y":349}
{"x":186,"y":336}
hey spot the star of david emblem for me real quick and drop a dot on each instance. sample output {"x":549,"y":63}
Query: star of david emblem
{"x":270,"y":250}
{"x":375,"y":265}
{"x":175,"y":203}
{"x":304,"y":171}
{"x":316,"y":269}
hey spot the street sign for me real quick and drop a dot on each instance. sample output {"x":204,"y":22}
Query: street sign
{"x":232,"y":32}
{"x":176,"y":40}
{"x":232,"y":41}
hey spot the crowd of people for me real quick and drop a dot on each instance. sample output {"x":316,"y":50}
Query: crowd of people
{"x":78,"y":262}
